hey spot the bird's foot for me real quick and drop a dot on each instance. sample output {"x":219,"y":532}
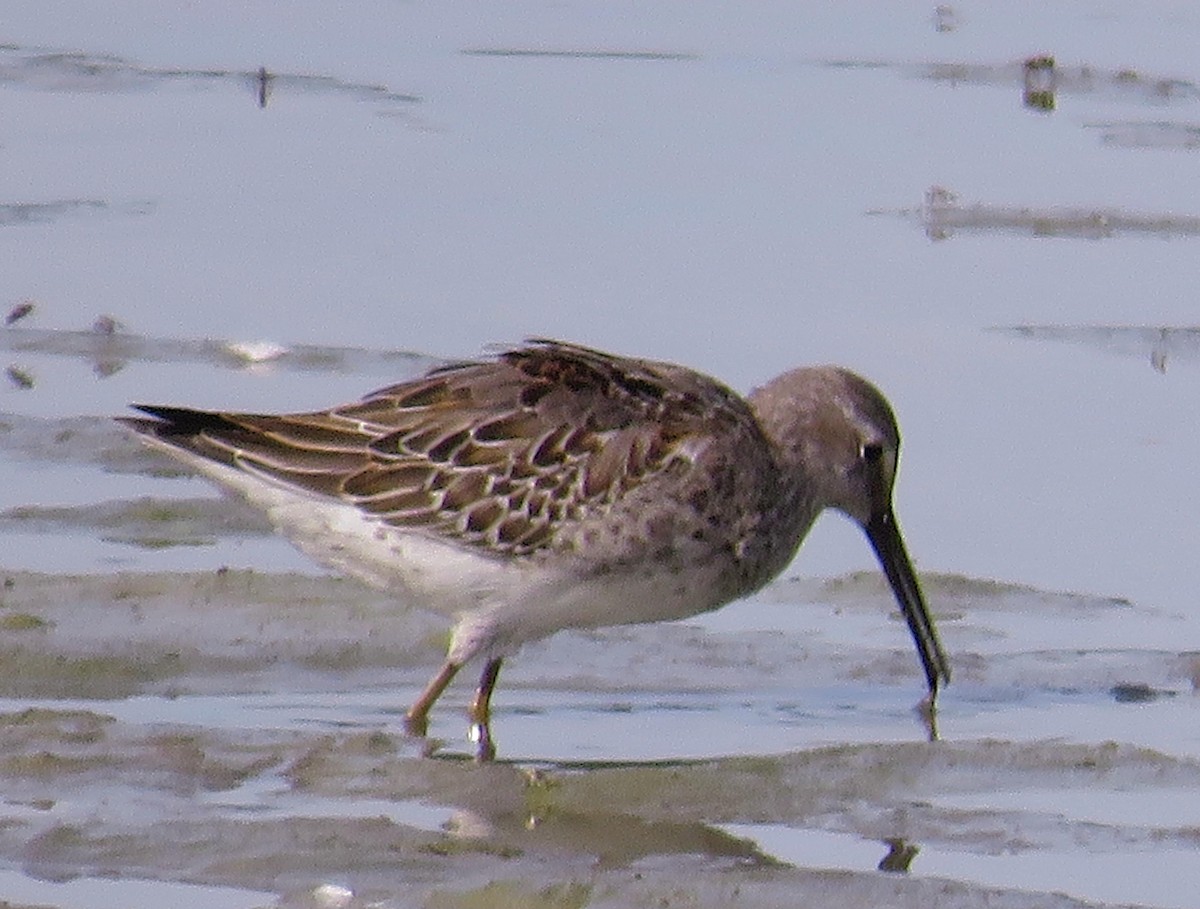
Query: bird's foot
{"x":416,"y":724}
{"x":485,"y":748}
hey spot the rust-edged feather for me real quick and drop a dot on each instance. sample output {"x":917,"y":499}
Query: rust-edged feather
{"x":498,"y":453}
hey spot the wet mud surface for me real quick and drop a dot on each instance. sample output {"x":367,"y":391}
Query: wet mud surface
{"x":242,"y":730}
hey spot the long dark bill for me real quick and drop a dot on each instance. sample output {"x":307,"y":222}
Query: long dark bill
{"x":884,"y":534}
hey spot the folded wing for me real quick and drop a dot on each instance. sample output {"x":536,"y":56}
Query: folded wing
{"x":498,"y":453}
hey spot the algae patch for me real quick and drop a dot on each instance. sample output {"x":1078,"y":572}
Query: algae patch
{"x":22,"y":621}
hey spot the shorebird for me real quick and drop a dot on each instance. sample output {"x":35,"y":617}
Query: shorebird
{"x":554,"y":486}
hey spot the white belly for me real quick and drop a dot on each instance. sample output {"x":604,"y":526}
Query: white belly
{"x":500,"y":603}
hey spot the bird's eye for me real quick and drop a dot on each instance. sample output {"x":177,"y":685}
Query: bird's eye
{"x":871,"y":452}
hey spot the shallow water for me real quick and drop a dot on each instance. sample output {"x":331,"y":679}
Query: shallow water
{"x":286,"y":205}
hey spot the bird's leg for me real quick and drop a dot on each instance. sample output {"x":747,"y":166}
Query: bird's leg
{"x":416,"y":720}
{"x":481,"y":711}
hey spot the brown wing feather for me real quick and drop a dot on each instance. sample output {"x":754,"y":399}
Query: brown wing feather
{"x":496,"y":453}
